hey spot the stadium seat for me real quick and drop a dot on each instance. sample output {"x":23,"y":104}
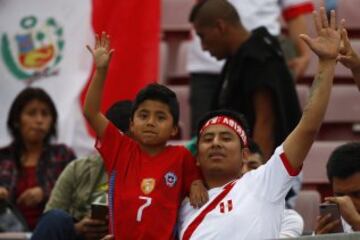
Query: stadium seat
{"x":342,"y":115}
{"x":163,"y":62}
{"x":175,"y":14}
{"x":182,"y":93}
{"x":178,"y":51}
{"x":314,"y":168}
{"x":307,"y":205}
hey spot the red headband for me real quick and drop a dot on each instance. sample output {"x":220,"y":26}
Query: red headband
{"x":228,"y":122}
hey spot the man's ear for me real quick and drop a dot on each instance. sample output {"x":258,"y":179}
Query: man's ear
{"x":245,"y":153}
{"x":174,"y":131}
{"x":197,"y":162}
{"x":221,"y":25}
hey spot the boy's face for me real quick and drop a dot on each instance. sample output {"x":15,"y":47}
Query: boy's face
{"x":152,"y":123}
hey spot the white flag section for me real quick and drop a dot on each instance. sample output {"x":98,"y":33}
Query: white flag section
{"x":43,"y":45}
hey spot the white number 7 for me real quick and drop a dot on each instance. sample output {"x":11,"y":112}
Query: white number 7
{"x":142,"y":207}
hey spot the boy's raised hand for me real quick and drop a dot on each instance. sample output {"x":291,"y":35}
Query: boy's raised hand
{"x":327,"y":44}
{"x":102,"y":52}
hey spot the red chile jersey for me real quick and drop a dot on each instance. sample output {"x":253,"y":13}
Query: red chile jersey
{"x":145,"y":191}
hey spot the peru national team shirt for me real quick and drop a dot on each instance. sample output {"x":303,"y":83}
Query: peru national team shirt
{"x":147,"y":190}
{"x":247,"y":208}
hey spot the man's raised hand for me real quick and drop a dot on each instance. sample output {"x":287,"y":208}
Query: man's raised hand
{"x":327,"y":43}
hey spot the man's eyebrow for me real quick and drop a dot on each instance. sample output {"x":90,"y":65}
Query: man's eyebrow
{"x":208,"y":134}
{"x":225,"y":133}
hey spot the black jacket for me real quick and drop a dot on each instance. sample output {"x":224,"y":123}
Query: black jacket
{"x":259,"y":63}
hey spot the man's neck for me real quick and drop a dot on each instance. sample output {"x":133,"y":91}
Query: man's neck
{"x":214,"y":181}
{"x":239,"y":37}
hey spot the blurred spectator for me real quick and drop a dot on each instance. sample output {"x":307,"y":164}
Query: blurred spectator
{"x":343,"y":170}
{"x":30,"y":165}
{"x":83,"y":182}
{"x":205,"y":69}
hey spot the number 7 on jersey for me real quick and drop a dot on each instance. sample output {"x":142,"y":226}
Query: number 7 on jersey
{"x":142,"y":207}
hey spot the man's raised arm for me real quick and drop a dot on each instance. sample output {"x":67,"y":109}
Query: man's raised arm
{"x":326,"y":46}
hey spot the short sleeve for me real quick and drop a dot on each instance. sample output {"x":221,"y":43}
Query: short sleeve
{"x":274,"y":179}
{"x":294,"y":8}
{"x":191,"y":172}
{"x":112,"y":145}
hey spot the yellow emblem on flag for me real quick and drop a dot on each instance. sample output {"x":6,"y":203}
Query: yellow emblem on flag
{"x":147,"y":185}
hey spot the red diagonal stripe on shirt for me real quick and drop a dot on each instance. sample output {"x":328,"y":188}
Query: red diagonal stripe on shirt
{"x":196,"y":222}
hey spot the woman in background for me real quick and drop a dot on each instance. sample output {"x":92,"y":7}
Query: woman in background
{"x":30,"y":165}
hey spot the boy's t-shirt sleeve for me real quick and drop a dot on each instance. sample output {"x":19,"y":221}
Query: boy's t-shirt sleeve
{"x":112,"y":145}
{"x":191,"y":172}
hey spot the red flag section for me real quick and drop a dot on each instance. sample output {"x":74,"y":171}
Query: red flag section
{"x":134,"y":28}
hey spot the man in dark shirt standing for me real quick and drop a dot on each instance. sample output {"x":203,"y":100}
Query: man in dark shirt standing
{"x":255,"y":79}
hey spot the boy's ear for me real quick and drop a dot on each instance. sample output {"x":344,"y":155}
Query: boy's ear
{"x":174,"y":131}
{"x":131,"y":126}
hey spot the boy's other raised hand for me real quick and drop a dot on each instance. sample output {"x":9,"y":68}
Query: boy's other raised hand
{"x":102,"y":52}
{"x":327,"y":44}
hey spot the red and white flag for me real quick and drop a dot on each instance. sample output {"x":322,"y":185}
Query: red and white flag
{"x":43,"y":42}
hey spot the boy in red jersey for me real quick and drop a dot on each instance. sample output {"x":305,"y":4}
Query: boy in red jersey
{"x":148,"y":179}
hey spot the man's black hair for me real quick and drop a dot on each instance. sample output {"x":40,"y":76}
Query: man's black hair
{"x":205,"y":12}
{"x":159,"y":93}
{"x":228,"y":113}
{"x":344,"y":161}
{"x":254,"y":147}
{"x":119,"y":114}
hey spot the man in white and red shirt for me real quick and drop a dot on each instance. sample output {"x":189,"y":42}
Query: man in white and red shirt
{"x":255,"y":200}
{"x":251,"y":206}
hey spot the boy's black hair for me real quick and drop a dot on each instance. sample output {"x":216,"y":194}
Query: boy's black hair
{"x":344,"y":161}
{"x":224,"y":112}
{"x":119,"y":114}
{"x":159,"y":93}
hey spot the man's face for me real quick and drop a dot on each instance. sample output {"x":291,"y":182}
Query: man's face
{"x":252,"y":162}
{"x":349,"y":186}
{"x":219,"y":151}
{"x":152,"y":123}
{"x":212,"y":40}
